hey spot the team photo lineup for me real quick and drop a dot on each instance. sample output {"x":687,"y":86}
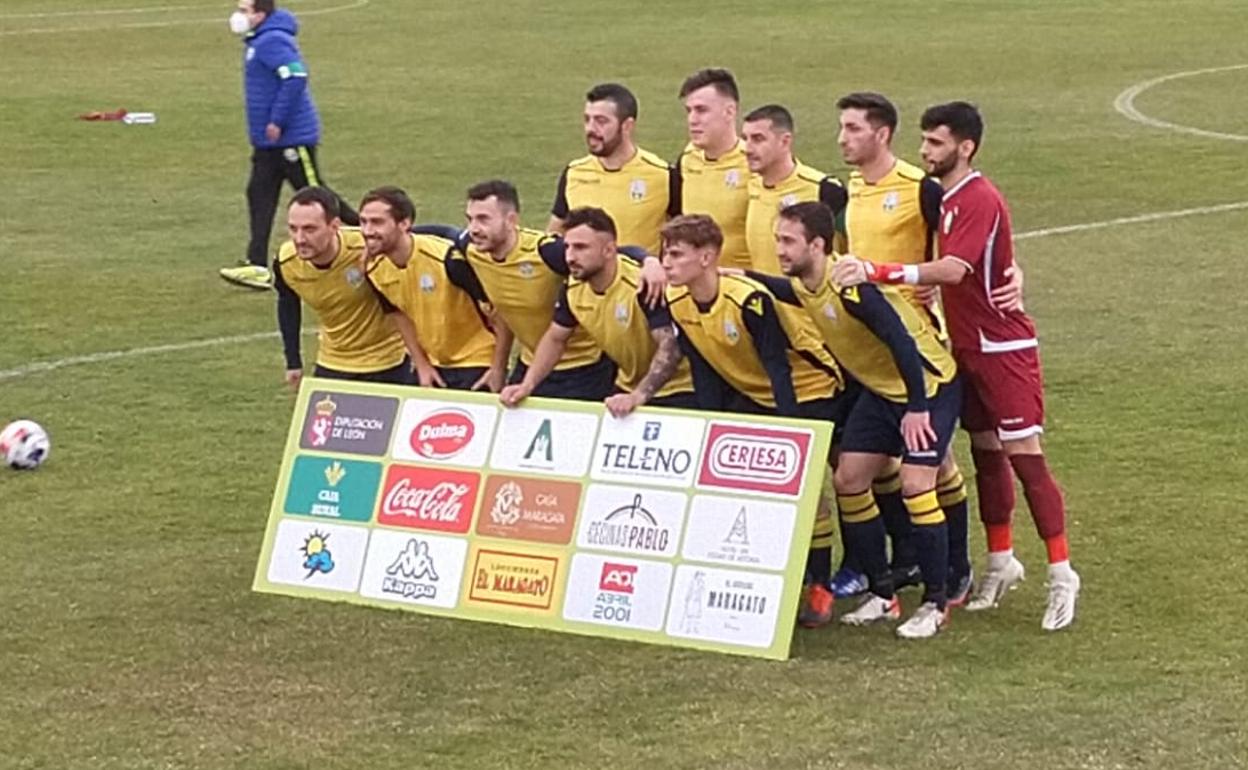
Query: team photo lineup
{"x":734,"y":279}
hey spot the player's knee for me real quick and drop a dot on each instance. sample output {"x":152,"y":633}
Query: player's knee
{"x":917,"y":480}
{"x":1029,"y":445}
{"x":849,"y":480}
{"x":986,"y":440}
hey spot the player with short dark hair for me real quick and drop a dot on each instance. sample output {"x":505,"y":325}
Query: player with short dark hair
{"x":636,"y":187}
{"x":322,"y":265}
{"x":601,"y":296}
{"x":778,"y":180}
{"x":714,"y":172}
{"x":998,"y":354}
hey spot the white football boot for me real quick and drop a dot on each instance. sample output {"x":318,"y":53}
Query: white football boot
{"x":994,"y":585}
{"x":925,"y":623}
{"x":1063,"y":593}
{"x":873,"y":609}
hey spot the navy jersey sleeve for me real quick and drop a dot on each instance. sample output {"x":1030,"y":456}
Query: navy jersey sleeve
{"x":554,"y":252}
{"x":675,"y":190}
{"x":930,"y":196}
{"x":560,"y":206}
{"x":461,"y":274}
{"x":867,"y":304}
{"x":781,"y":288}
{"x":289,"y":318}
{"x":710,"y":390}
{"x":635,"y":253}
{"x":563,"y":313}
{"x":387,"y":306}
{"x":833,"y":195}
{"x":448,"y":232}
{"x":772,"y":346}
{"x":657,"y":317}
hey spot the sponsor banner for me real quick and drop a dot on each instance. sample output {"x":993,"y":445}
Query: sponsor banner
{"x":414,"y":568}
{"x":522,"y":508}
{"x":643,"y":522}
{"x":515,"y":579}
{"x":649,"y":448}
{"x":740,"y":531}
{"x":444,"y":432}
{"x":726,"y":606}
{"x":620,"y":592}
{"x":332,"y":488}
{"x":544,"y":441}
{"x":317,"y":554}
{"x":753,"y":458}
{"x":428,"y":498}
{"x":342,"y":422}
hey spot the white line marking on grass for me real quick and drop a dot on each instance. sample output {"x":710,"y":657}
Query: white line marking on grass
{"x":107,"y":11}
{"x":175,"y":347}
{"x":1124,"y":103}
{"x":171,"y":23}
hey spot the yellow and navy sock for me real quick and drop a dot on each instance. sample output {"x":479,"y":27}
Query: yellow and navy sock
{"x":951,"y":492}
{"x":819,"y":558}
{"x":864,"y":531}
{"x":887,"y":490}
{"x":932,"y":538}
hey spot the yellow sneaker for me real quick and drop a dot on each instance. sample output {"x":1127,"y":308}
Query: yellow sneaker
{"x":251,"y":276}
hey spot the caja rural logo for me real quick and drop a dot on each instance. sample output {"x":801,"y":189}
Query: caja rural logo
{"x":442,"y":434}
{"x":756,"y":459}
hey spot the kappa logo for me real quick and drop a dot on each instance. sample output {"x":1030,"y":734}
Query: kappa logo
{"x":443,"y":434}
{"x":637,"y":190}
{"x":413,"y":563}
{"x":617,"y":578}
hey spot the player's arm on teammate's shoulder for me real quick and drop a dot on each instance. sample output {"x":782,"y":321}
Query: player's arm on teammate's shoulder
{"x":653,"y":276}
{"x":772,"y":345}
{"x":780,"y":287}
{"x":289,"y":319}
{"x":559,"y":209}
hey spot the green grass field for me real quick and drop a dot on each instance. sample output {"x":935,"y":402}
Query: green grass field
{"x":129,"y":637}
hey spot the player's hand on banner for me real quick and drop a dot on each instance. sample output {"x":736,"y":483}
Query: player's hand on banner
{"x":849,"y":271}
{"x":1009,"y":297}
{"x":294,"y":377}
{"x":916,"y":430}
{"x":512,"y":395}
{"x":428,"y":377}
{"x":653,"y":282}
{"x":492,"y":380}
{"x":622,"y":404}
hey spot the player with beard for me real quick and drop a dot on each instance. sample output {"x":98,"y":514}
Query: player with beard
{"x":637,"y":188}
{"x":449,"y":337}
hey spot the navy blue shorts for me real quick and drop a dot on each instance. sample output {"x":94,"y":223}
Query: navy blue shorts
{"x":395,"y":375}
{"x":686,"y":400}
{"x":874,"y":425}
{"x":461,"y":377}
{"x":592,"y":382}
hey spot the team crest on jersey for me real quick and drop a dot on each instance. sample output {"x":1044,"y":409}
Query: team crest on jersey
{"x":291,"y":155}
{"x":891,"y":200}
{"x":526,"y":270}
{"x":355,"y":276}
{"x":637,"y":190}
{"x":788,"y":200}
{"x":946,"y":224}
{"x":426,"y":283}
{"x":621,"y":313}
{"x":730,"y":331}
{"x":732,"y":179}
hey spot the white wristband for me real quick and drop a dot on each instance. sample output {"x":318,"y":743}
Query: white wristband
{"x":910,"y":274}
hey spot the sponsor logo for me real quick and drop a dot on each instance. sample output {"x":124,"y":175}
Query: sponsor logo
{"x":753,"y":533}
{"x":413,"y":573}
{"x":428,"y":498}
{"x":442,"y":434}
{"x":541,"y":446}
{"x":614,"y":592}
{"x":545,"y":441}
{"x":630,"y":527}
{"x":755,"y":459}
{"x":514,"y":579}
{"x":661,"y":451}
{"x":341,"y":422}
{"x":651,"y":431}
{"x":725,"y":606}
{"x":420,"y":570}
{"x":317,"y":554}
{"x":332,"y":488}
{"x":529,"y":509}
{"x":617,"y":578}
{"x":623,"y":519}
{"x":637,"y":190}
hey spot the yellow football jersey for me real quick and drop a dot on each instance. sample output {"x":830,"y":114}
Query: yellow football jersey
{"x":621,"y":324}
{"x":719,"y":188}
{"x":639,"y":196}
{"x":721,"y":334}
{"x":804,"y":184}
{"x":449,"y":326}
{"x":523,"y":288}
{"x":355,"y":335}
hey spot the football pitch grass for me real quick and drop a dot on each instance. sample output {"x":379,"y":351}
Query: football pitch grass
{"x":129,"y":636}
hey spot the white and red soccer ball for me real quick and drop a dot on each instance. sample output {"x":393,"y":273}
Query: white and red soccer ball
{"x":24,"y":445}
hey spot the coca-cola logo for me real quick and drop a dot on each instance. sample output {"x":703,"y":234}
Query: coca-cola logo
{"x":757,"y":459}
{"x":442,"y":434}
{"x":428,"y":498}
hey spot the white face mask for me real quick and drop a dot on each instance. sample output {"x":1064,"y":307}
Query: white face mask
{"x":239,"y":23}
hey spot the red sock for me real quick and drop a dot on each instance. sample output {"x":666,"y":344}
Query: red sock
{"x":1048,"y":510}
{"x":995,"y":484}
{"x":1000,"y":537}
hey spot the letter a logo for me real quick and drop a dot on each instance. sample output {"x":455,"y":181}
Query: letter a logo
{"x":541,"y":444}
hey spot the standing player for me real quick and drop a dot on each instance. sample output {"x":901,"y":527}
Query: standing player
{"x":997,"y":351}
{"x":520,"y":273}
{"x":891,"y":216}
{"x":322,"y":265}
{"x":714,"y":172}
{"x":637,"y":188}
{"x":778,"y":181}
{"x":451,"y":342}
{"x":908,"y":407}
{"x":751,"y":355}
{"x":602,"y":297}
{"x":283,"y":125}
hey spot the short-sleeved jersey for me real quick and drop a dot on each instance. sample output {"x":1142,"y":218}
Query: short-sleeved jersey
{"x":355,"y":335}
{"x":432,"y":291}
{"x":845,"y":317}
{"x":639,"y":196}
{"x":523,"y":288}
{"x":804,"y":184}
{"x":621,"y":323}
{"x":721,"y":335}
{"x":975,"y":230}
{"x":893,"y":220}
{"x":719,"y":188}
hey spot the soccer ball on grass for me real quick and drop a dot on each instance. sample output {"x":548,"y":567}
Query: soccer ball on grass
{"x":24,"y":445}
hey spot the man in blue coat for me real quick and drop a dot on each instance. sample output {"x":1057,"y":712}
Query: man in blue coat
{"x":283,"y":126}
